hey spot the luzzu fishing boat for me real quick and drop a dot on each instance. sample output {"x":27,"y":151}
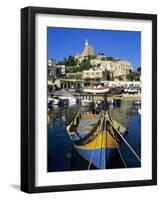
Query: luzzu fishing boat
{"x":97,"y":138}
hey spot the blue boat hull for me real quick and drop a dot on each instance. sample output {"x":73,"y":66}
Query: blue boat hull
{"x":104,"y":158}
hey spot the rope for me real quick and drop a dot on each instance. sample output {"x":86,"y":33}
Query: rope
{"x":101,"y":144}
{"x":120,"y":153}
{"x":125,"y":141}
{"x":118,"y":147}
{"x":105,"y":129}
{"x":95,"y":146}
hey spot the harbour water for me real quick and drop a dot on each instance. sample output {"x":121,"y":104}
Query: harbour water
{"x":62,"y":155}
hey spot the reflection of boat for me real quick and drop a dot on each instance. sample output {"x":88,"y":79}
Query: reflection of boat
{"x":49,"y":119}
{"x":116,"y":102}
{"x":100,"y":104}
{"x":63,"y":101}
{"x":97,"y":137}
{"x":87,"y":103}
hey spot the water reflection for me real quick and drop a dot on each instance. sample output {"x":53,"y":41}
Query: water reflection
{"x":62,"y":155}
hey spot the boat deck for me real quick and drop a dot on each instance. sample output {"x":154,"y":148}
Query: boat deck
{"x":87,"y":122}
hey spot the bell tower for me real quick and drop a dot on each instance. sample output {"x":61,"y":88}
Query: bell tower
{"x":86,"y":43}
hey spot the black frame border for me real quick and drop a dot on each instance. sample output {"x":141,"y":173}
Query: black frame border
{"x":28,"y":98}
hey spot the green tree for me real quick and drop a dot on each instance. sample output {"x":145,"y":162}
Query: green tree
{"x":70,"y":61}
{"x":120,"y":78}
{"x":84,"y":65}
{"x":139,"y":69}
{"x":112,"y":58}
{"x":92,"y":57}
{"x":133,"y":76}
{"x":108,"y":75}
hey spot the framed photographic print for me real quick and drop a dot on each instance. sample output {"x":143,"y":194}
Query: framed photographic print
{"x":88,"y":99}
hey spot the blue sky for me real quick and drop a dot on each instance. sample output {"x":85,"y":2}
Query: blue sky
{"x":126,"y":45}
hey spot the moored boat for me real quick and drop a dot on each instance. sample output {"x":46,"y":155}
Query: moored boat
{"x":56,"y":100}
{"x":96,"y":90}
{"x":50,"y":102}
{"x":67,"y":100}
{"x":137,"y":102}
{"x":96,"y":138}
{"x":72,"y":100}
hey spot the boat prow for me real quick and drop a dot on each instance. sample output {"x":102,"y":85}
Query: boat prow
{"x":96,"y":138}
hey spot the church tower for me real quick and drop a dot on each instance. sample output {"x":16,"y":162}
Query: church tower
{"x":88,"y":49}
{"x":86,"y":43}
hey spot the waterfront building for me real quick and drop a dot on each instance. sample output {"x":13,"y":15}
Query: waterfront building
{"x":69,"y":83}
{"x":118,"y":68}
{"x":124,"y":84}
{"x":103,"y":68}
{"x":51,"y":69}
{"x":76,"y":75}
{"x":60,"y":70}
{"x":51,"y":74}
{"x":92,"y":75}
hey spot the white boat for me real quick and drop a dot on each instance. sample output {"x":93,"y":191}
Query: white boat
{"x":70,"y":100}
{"x":96,"y":90}
{"x":50,"y":101}
{"x":139,"y":111}
{"x":56,"y":100}
{"x":138,"y":102}
{"x":131,"y":90}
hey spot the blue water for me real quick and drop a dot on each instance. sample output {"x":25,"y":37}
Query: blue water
{"x":62,"y":155}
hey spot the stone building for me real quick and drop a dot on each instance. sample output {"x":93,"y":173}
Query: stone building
{"x":51,"y":74}
{"x":94,"y":75}
{"x":60,"y":70}
{"x":51,"y":69}
{"x":119,"y":69}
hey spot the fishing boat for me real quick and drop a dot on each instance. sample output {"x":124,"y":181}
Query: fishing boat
{"x":97,"y":138}
{"x":96,"y":90}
